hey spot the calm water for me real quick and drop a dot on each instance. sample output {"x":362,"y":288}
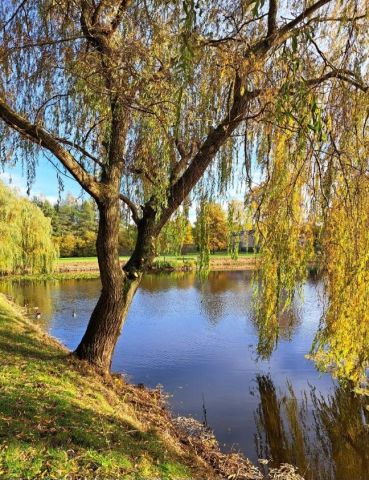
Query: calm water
{"x":198,"y":340}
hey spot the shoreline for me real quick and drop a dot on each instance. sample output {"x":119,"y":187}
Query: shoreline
{"x":179,"y":264}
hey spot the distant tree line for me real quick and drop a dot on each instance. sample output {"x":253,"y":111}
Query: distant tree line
{"x":73,"y":225}
{"x":74,"y":228}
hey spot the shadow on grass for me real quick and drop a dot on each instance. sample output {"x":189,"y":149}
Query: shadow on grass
{"x":23,"y":343}
{"x":57,"y":421}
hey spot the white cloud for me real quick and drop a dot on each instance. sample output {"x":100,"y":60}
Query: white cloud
{"x":19,"y":184}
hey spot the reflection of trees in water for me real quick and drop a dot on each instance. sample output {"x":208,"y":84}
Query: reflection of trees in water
{"x":31,"y":295}
{"x":43,"y":294}
{"x":155,"y":282}
{"x":210,"y":288}
{"x":269,"y":335}
{"x":219,"y":289}
{"x":327,"y":438}
{"x":224,"y":281}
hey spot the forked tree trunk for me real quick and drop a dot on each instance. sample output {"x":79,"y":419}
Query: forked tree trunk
{"x":118,"y":285}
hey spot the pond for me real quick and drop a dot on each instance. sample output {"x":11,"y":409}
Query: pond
{"x":197,"y":338}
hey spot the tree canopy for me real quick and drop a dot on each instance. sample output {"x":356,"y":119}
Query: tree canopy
{"x":137,"y":101}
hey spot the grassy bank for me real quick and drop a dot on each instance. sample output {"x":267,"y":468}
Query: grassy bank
{"x":59,"y":419}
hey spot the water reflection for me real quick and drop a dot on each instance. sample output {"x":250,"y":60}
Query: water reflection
{"x":326,"y":437}
{"x":164,"y":281}
{"x":222,"y":288}
{"x":269,"y":335}
{"x":32,"y":296}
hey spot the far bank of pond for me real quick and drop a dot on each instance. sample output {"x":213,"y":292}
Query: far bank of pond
{"x":245,"y":261}
{"x":197,"y":338}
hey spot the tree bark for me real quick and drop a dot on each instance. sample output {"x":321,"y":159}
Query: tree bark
{"x":118,"y":285}
{"x":118,"y":289}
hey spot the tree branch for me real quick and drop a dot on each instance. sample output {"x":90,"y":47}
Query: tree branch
{"x":207,"y":151}
{"x":272,"y":17}
{"x":261,"y":47}
{"x":11,"y":18}
{"x":82,"y":150}
{"x":344,"y":75}
{"x":42,"y":137}
{"x":132,"y":207}
{"x":305,"y":14}
{"x":44,"y":43}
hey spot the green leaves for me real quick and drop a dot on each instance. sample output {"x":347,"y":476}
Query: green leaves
{"x":317,"y":124}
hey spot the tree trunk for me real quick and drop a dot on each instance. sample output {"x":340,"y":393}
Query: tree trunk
{"x":118,"y":285}
{"x":118,"y":288}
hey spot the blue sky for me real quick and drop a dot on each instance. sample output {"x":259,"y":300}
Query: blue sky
{"x":45,"y":185}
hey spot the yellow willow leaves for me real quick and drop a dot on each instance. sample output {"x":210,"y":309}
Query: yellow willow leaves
{"x":343,"y":340}
{"x":285,"y":240}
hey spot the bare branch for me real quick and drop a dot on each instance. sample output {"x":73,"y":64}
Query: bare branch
{"x":132,"y":207}
{"x":232,"y":38}
{"x":17,"y":10}
{"x":80,"y":149}
{"x":261,"y":47}
{"x":300,"y":18}
{"x":44,"y":104}
{"x":343,"y":19}
{"x":44,"y":43}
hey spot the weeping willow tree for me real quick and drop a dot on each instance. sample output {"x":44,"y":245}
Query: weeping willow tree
{"x":239,"y":223}
{"x":141,"y":102}
{"x":174,"y":235}
{"x":26,"y":244}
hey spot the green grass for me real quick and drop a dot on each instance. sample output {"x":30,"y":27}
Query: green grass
{"x":59,"y":419}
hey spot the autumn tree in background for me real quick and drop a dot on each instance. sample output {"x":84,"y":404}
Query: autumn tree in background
{"x":175,"y":234}
{"x":150,"y":103}
{"x":217,"y":226}
{"x":74,"y":225}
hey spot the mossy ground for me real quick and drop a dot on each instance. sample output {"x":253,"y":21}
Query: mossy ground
{"x":61,"y":419}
